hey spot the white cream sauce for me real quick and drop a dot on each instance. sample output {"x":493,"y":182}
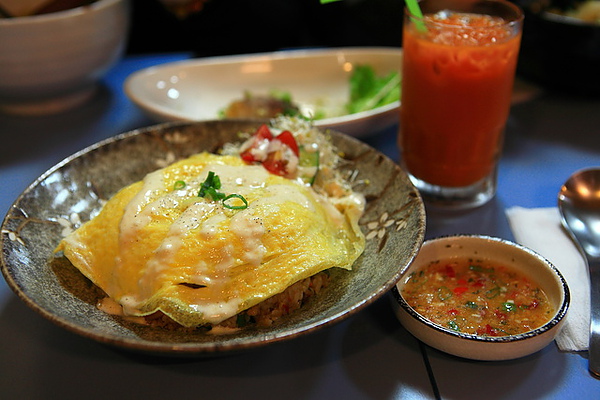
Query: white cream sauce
{"x":153,"y":183}
{"x":218,"y":312}
{"x":111,"y":307}
{"x":250,"y":230}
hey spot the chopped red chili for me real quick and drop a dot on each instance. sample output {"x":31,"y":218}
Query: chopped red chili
{"x":460,"y":290}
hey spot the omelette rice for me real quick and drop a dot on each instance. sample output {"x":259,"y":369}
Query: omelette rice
{"x":214,"y":237}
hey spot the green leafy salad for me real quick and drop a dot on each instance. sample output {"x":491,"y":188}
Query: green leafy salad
{"x":367,"y":91}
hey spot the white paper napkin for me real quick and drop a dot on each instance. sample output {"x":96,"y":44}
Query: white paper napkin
{"x":540,"y":230}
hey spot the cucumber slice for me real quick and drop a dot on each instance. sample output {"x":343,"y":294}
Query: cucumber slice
{"x":308,"y":164}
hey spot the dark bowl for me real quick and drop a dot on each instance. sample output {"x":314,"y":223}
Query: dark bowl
{"x":76,"y":188}
{"x":558,"y":52}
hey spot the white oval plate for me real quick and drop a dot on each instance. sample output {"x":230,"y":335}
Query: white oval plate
{"x":198,"y":89}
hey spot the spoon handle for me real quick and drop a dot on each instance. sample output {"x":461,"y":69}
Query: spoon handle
{"x":594,"y":345}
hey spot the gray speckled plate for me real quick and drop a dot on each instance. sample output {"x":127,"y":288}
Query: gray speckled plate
{"x":75,"y":189}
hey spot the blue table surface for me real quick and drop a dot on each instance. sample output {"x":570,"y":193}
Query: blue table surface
{"x":366,"y":356}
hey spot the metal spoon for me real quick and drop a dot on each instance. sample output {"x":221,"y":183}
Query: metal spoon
{"x":579,"y":205}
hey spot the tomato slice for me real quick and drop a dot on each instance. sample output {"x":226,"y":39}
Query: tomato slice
{"x":263,"y":134}
{"x":275,"y":165}
{"x":287,"y":138}
{"x":275,"y":159}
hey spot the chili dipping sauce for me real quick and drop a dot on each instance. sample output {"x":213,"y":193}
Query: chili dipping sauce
{"x":477,"y":297}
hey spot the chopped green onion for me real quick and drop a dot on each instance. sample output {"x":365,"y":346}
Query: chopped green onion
{"x":209,"y":183}
{"x":216,"y":181}
{"x":212,"y":193}
{"x":235,"y":196}
{"x":209,"y":189}
{"x":179,"y":185}
{"x":508,"y":306}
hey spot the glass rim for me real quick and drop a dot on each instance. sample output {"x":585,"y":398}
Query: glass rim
{"x":517,"y":20}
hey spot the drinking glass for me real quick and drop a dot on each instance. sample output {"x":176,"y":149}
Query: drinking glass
{"x":458,"y":70}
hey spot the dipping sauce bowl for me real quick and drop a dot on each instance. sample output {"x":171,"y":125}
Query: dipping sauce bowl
{"x":490,"y":342}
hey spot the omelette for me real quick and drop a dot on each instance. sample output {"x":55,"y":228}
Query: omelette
{"x":213,"y":235}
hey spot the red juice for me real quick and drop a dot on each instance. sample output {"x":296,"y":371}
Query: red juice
{"x":456,"y":93}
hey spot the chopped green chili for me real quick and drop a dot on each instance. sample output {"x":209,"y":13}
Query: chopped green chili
{"x":490,"y":294}
{"x":472,"y":305}
{"x":454,"y":326}
{"x":418,"y":279}
{"x":508,"y":306}
{"x":444,"y":293}
{"x":479,"y":268}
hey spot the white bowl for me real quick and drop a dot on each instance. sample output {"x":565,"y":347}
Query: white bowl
{"x":52,"y":62}
{"x":479,"y":347}
{"x":199,"y":89}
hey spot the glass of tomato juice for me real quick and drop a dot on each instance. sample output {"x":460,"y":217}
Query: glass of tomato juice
{"x":459,"y":61}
